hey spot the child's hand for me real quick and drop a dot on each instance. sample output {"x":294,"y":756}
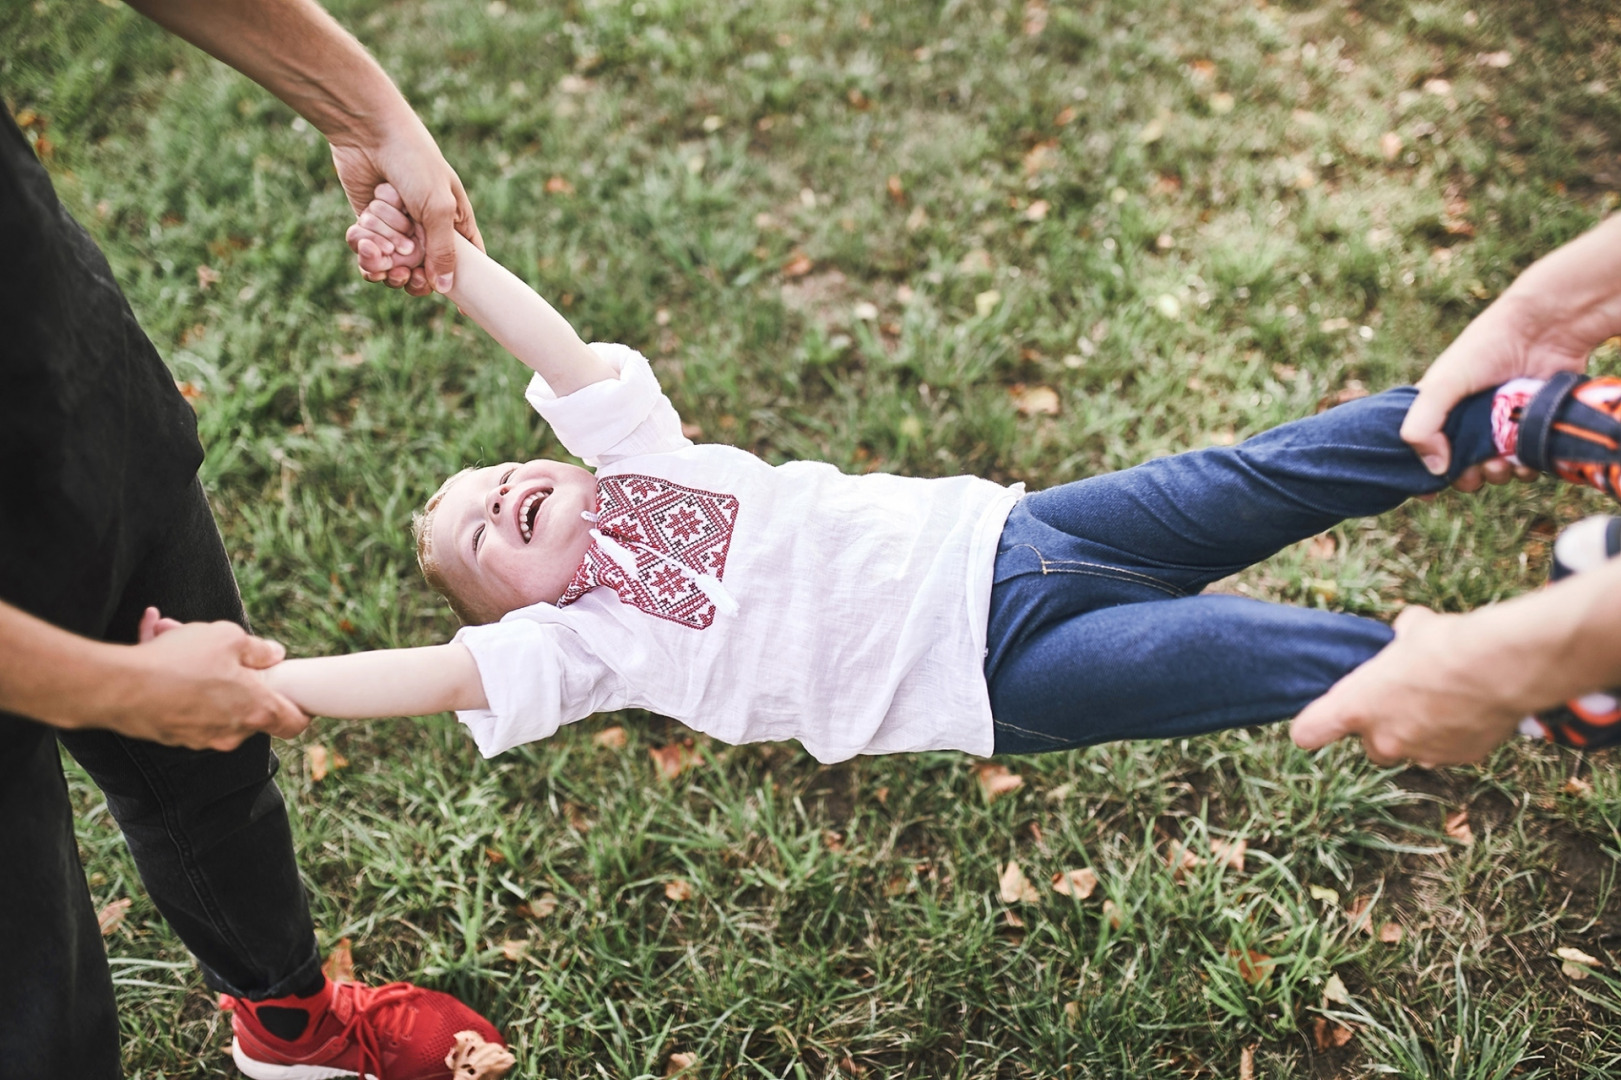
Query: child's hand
{"x":153,"y":624}
{"x":388,"y":245}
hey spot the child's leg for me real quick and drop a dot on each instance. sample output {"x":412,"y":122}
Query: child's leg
{"x":1172,"y":668}
{"x":1188,"y":520}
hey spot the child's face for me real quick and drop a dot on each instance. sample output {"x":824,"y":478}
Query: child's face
{"x":511,"y":535}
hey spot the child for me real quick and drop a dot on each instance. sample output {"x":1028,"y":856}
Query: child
{"x":879,"y":613}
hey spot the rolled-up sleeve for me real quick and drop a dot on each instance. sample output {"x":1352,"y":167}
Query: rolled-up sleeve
{"x":613,"y":419}
{"x":537,"y":677}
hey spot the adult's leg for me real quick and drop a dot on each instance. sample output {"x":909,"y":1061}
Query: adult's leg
{"x":1170,"y":668}
{"x":1187,"y":520}
{"x":208,"y":830}
{"x":57,"y":1013}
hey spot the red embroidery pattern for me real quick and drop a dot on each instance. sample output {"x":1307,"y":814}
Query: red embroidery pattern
{"x":690,"y":526}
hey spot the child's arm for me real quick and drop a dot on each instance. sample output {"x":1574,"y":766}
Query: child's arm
{"x":495,"y":298}
{"x":390,"y":682}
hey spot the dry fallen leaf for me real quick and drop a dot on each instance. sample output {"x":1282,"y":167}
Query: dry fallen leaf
{"x":1035,"y":17}
{"x":539,"y":908}
{"x":1390,"y":933}
{"x":1576,"y":788}
{"x":1035,"y":400}
{"x":1015,"y":888}
{"x":1457,"y":827}
{"x":1181,"y":859}
{"x":557,"y":185}
{"x":1334,"y":991}
{"x":471,"y":1058}
{"x":611,"y":738}
{"x":1112,"y":914}
{"x":1254,"y":967}
{"x":1357,"y":915}
{"x":996,"y":781}
{"x":1390,"y":145}
{"x":320,"y":761}
{"x":985,"y":302}
{"x":111,"y":917}
{"x":1072,"y":1011}
{"x":798,"y":265}
{"x":1321,"y":547}
{"x":1329,"y":1035}
{"x":340,"y":962}
{"x":515,"y":949}
{"x":672,"y":760}
{"x":1038,"y":210}
{"x":1012,"y":921}
{"x":1042,"y":156}
{"x":1077,"y":883}
{"x":1577,"y":964}
{"x":678,"y":889}
{"x":1246,"y":1063}
{"x":1230,"y":855}
{"x":190,"y":391}
{"x":896,"y":189}
{"x":680,"y":1063}
{"x":206,"y":276}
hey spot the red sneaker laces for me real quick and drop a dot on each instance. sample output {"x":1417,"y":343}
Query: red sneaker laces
{"x":366,"y":1007}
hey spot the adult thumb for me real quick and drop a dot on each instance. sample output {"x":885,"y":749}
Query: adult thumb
{"x":1319,"y":724}
{"x":258,"y":652}
{"x":438,"y":221}
{"x":1421,"y":429}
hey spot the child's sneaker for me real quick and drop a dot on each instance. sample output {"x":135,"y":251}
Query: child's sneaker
{"x":1570,"y":427}
{"x":393,"y":1032}
{"x":1595,"y":720}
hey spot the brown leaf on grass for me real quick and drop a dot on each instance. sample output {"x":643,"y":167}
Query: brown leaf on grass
{"x":996,"y":781}
{"x":798,"y":265}
{"x":1321,"y":547}
{"x":1035,"y":400}
{"x":1041,"y":157}
{"x":1357,"y":915}
{"x":471,"y":1058}
{"x":1014,"y":888}
{"x":340,"y":962}
{"x":1575,"y":963}
{"x":672,"y":760}
{"x":1246,"y":1063}
{"x":557,"y":185}
{"x":514,"y":949}
{"x":611,"y":738}
{"x":1072,"y":1012}
{"x":1011,"y":921}
{"x":495,"y":856}
{"x":111,"y":917}
{"x":1112,"y":914}
{"x":320,"y":761}
{"x":1576,"y":788}
{"x":1254,"y":967}
{"x":1066,"y":116}
{"x":896,"y":189}
{"x":539,"y":908}
{"x":1181,"y":859}
{"x":858,"y":101}
{"x":678,"y":889}
{"x":1351,"y":391}
{"x":1077,"y":883}
{"x":206,"y":276}
{"x":680,"y":1063}
{"x":1037,"y":211}
{"x":1230,"y":854}
{"x":1390,"y":933}
{"x":1457,"y":827}
{"x":190,"y":391}
{"x":1035,"y":18}
{"x":1330,"y":1035}
{"x":1202,"y":70}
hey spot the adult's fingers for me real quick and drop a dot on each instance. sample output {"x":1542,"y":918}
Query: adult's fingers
{"x":258,"y":652}
{"x":285,"y":719}
{"x":1320,"y":723}
{"x":1422,"y":428}
{"x":466,"y":223}
{"x":438,"y":221}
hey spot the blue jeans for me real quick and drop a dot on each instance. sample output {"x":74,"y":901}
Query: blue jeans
{"x":1097,"y":630}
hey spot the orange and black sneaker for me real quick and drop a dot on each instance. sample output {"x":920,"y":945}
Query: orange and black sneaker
{"x":1570,"y":427}
{"x":1592,"y":721}
{"x":392,"y":1032}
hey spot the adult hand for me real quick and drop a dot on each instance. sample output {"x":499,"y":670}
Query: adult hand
{"x":1414,"y":701}
{"x":428,"y":191}
{"x":198,"y":685}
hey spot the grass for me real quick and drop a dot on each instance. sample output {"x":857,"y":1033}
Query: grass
{"x":1186,"y":219}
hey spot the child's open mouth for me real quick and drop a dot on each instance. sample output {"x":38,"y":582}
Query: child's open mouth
{"x":529,"y":511}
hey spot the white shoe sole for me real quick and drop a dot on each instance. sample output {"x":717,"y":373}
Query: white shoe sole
{"x":266,"y":1070}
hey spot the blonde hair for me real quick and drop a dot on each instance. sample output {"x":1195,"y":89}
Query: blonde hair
{"x":465,"y":607}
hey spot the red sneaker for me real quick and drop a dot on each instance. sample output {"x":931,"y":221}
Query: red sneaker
{"x":393,"y":1032}
{"x":1572,"y":428}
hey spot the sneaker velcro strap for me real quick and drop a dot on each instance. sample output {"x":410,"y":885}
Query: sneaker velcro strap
{"x":1536,"y":426}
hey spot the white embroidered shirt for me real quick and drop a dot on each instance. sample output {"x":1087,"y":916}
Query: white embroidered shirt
{"x":749,"y":601}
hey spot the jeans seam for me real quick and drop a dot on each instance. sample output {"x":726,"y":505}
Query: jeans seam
{"x":1104,"y":570}
{"x":1003,"y":725}
{"x":177,"y":837}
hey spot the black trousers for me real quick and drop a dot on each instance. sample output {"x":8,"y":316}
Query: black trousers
{"x":86,"y":408}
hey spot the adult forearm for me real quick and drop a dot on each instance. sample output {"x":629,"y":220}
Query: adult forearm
{"x":1547,"y":646}
{"x":298,"y":52}
{"x":1575,"y":291}
{"x":50,"y":675}
{"x":394,"y":682}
